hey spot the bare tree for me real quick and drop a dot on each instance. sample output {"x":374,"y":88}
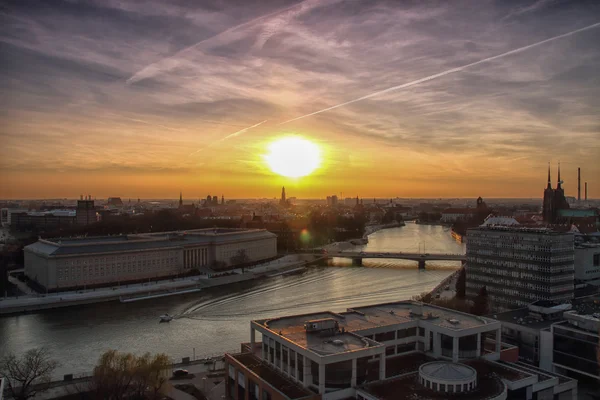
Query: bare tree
{"x":124,"y":375}
{"x":29,"y":374}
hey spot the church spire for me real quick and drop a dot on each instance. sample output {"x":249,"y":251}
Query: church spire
{"x":180,"y":199}
{"x":549,"y":182}
{"x":559,"y":181}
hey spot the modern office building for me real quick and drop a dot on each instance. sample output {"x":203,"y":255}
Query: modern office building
{"x":43,"y":220}
{"x":401,"y":350}
{"x":562,"y":338}
{"x":59,"y":264}
{"x":587,"y":263}
{"x":528,"y":328}
{"x":575,"y":341}
{"x":519,"y":265}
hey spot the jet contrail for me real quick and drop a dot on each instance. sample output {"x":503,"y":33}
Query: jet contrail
{"x":139,"y":75}
{"x":450,"y":71}
{"x":234,"y":134}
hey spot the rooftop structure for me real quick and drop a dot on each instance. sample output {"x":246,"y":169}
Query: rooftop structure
{"x":399,"y":350}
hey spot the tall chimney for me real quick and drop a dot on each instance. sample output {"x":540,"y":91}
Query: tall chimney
{"x":586,"y":191}
{"x":578,"y":184}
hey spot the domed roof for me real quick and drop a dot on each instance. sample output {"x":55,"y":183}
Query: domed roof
{"x":447,"y":371}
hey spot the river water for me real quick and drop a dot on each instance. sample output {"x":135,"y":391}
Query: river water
{"x":217,"y":320}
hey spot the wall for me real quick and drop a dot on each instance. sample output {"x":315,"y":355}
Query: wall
{"x":585,"y":269}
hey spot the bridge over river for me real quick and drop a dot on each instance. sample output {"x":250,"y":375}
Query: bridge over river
{"x":421,"y":258}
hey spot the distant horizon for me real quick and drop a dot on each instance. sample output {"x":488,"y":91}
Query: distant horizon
{"x":192,"y":199}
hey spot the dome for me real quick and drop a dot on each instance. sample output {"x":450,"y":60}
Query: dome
{"x":444,"y":376}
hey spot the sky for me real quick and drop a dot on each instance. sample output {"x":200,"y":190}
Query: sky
{"x":150,"y":98}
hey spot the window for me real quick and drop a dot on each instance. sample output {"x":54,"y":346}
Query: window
{"x":597,"y":260}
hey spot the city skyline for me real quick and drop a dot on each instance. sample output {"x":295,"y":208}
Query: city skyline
{"x":410,"y":100}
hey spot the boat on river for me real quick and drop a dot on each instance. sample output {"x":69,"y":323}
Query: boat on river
{"x":166,"y":318}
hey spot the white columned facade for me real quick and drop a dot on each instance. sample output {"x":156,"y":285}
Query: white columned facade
{"x":321,"y":378}
{"x":307,"y":377}
{"x":382,"y":366}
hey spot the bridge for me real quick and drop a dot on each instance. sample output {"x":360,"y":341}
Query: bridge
{"x":421,"y":258}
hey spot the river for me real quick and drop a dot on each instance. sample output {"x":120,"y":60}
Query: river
{"x":217,"y":320}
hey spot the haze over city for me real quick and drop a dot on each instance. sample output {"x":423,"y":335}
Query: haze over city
{"x":144,"y":99}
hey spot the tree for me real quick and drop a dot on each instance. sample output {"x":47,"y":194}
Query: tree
{"x":240,"y":258}
{"x":124,"y":375}
{"x":480,"y":303}
{"x":29,"y":374}
{"x":461,"y":283}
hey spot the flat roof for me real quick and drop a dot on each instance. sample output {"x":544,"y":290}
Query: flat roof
{"x":514,"y":316}
{"x":377,"y":315}
{"x":355,"y":320}
{"x":148,"y":241}
{"x":292,"y":328}
{"x":489,"y":381}
{"x":273,"y":377}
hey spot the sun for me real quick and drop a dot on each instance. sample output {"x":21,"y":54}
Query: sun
{"x":293,"y":157}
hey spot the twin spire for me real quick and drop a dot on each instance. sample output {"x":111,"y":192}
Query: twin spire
{"x":559,"y":182}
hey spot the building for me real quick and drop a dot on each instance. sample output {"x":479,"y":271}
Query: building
{"x":7,"y":213}
{"x":587,"y":263}
{"x":519,"y":265}
{"x":554,"y":200}
{"x":575,"y":342}
{"x":43,"y":220}
{"x":528,"y":328}
{"x":400,"y":350}
{"x":561,"y":338}
{"x":332,"y":201}
{"x":115,"y":201}
{"x":451,"y":215}
{"x":60,"y":264}
{"x":283,"y":202}
{"x":86,"y":211}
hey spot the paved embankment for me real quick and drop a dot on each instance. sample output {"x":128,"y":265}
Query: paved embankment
{"x":30,"y":302}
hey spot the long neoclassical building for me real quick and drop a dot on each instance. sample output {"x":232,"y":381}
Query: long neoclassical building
{"x":59,"y":264}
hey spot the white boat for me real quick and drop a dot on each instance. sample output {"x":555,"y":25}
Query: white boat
{"x":166,"y":318}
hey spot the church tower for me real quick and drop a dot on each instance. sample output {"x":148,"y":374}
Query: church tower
{"x":180,"y":200}
{"x":547,"y":210}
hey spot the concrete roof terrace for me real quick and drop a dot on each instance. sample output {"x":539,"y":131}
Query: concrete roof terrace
{"x":355,"y":320}
{"x":385,"y":314}
{"x":292,"y":328}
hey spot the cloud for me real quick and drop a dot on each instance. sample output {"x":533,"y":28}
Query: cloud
{"x":120,"y":84}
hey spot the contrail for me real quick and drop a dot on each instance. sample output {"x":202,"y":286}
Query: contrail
{"x":234,"y":134}
{"x":450,"y":71}
{"x":139,"y":75}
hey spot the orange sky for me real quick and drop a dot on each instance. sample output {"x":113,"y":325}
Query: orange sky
{"x":95,"y":103}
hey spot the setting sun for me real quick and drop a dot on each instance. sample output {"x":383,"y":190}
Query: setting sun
{"x":293,"y":157}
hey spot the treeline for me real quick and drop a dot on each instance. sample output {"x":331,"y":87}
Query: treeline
{"x":160,"y":221}
{"x":117,"y":376}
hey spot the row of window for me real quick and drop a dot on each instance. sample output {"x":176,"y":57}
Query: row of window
{"x":106,"y":270}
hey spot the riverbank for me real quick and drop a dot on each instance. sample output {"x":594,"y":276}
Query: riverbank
{"x":142,"y":291}
{"x":370,"y":229}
